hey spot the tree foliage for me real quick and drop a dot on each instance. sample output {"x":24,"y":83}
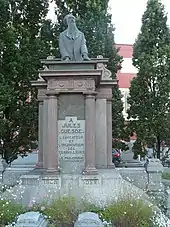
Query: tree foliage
{"x":20,"y":51}
{"x":137,"y":149}
{"x":149,"y":92}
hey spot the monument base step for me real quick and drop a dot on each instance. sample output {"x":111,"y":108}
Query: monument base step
{"x":99,"y":189}
{"x":90,"y":171}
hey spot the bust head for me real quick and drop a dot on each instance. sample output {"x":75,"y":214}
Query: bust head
{"x":69,"y":19}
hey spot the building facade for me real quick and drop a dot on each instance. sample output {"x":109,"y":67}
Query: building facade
{"x":126,"y":74}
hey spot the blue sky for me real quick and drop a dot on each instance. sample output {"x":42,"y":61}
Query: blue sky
{"x":126,"y":16}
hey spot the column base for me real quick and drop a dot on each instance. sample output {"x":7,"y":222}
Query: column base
{"x":90,"y":171}
{"x":52,"y":171}
{"x":39,"y":165}
{"x":111,"y":166}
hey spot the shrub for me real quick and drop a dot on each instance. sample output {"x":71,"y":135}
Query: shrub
{"x":128,"y":213}
{"x":62,"y":210}
{"x":65,"y":210}
{"x":9,"y":211}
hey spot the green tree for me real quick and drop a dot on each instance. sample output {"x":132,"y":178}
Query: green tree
{"x":95,"y":21}
{"x":137,"y":149}
{"x":20,"y":51}
{"x":149,"y":92}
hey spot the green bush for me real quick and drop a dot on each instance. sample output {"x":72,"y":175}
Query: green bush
{"x":128,"y":213}
{"x":8,"y":212}
{"x":124,"y":213}
{"x":65,"y":210}
{"x":62,"y":210}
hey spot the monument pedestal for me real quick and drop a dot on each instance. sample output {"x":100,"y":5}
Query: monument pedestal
{"x":100,"y":190}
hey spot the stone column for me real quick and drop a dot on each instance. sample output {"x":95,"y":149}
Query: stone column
{"x":109,"y":133}
{"x":101,"y":133}
{"x":90,"y":135}
{"x":40,"y":135}
{"x":45,"y":124}
{"x":52,"y":137}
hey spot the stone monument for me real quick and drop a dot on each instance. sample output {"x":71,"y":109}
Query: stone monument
{"x":31,"y":219}
{"x":75,"y":126}
{"x":88,"y":219}
{"x":75,"y":108}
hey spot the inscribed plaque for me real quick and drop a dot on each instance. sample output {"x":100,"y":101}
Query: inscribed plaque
{"x":71,"y":145}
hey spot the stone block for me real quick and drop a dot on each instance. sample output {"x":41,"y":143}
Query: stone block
{"x":90,"y":181}
{"x":168,"y":198}
{"x":19,"y":166}
{"x":168,"y":202}
{"x":31,"y":219}
{"x":88,"y":219}
{"x":154,"y":168}
{"x":132,"y":175}
{"x":71,"y":145}
{"x":154,"y":165}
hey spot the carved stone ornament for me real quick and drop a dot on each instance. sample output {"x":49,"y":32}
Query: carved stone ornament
{"x":51,"y":57}
{"x":45,"y":68}
{"x":72,"y":84}
{"x":106,"y":74}
{"x":40,"y":78}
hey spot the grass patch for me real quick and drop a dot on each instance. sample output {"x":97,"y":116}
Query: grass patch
{"x":166,"y":176}
{"x":128,"y":213}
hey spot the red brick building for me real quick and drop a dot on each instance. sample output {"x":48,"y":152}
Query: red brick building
{"x":125,"y":75}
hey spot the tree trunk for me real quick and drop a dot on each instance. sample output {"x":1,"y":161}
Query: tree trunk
{"x":158,"y":147}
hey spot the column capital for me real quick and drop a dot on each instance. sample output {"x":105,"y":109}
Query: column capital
{"x":110,"y":100}
{"x":90,"y":97}
{"x":40,"y":101}
{"x":52,"y":93}
{"x":90,"y":93}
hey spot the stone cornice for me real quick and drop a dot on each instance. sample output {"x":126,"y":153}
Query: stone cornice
{"x":47,"y":74}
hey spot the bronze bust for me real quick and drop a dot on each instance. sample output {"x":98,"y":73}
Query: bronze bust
{"x":72,"y":42}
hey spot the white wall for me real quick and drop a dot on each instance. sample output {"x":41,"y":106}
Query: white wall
{"x":127,"y":66}
{"x":125,"y":94}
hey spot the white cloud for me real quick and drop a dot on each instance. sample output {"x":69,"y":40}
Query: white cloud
{"x":127,"y":15}
{"x":51,"y":13}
